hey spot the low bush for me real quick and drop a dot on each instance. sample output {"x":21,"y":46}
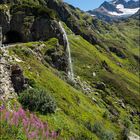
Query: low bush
{"x":106,"y":115}
{"x":127,"y":127}
{"x":37,"y":100}
{"x":102,"y":133}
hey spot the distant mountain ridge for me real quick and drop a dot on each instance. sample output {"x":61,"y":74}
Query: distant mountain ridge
{"x":111,"y":10}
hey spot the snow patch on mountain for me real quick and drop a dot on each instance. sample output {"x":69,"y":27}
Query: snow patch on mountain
{"x":125,"y":11}
{"x":111,"y":10}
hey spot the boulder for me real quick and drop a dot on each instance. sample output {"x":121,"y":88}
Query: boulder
{"x":17,"y":78}
{"x":118,"y":52}
{"x":101,"y":86}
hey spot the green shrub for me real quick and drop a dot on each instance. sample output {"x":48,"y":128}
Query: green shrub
{"x":35,"y":9}
{"x":127,"y":127}
{"x":26,"y":52}
{"x":127,"y":123}
{"x":102,"y":133}
{"x":37,"y":100}
{"x":106,"y":115}
{"x":31,"y":82}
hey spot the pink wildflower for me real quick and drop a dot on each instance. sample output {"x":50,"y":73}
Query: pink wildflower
{"x":2,"y":107}
{"x":21,"y":113}
{"x":47,"y":133}
{"x":7,"y":115}
{"x":53,"y":134}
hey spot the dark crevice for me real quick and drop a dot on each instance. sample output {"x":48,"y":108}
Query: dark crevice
{"x":13,"y":37}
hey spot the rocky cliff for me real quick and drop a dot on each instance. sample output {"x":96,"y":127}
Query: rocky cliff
{"x":28,"y":25}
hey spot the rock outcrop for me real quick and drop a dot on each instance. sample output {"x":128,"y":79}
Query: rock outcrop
{"x":56,"y":58}
{"x":6,"y":87}
{"x":133,"y":136}
{"x":66,"y":14}
{"x":118,"y":52}
{"x":29,"y":24}
{"x":17,"y":78}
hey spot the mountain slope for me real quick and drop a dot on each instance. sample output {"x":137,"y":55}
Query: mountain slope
{"x":103,"y":101}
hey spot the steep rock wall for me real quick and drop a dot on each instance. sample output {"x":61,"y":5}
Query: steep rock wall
{"x":32,"y":26}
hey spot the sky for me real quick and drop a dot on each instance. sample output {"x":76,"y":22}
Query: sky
{"x":85,"y":4}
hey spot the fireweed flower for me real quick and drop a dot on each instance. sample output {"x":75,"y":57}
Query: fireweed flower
{"x":47,"y":133}
{"x":7,"y":115}
{"x":25,"y":122}
{"x":2,"y":107}
{"x":15,"y":106}
{"x":32,"y":135}
{"x":53,"y":134}
{"x":32,"y":126}
{"x":21,"y":112}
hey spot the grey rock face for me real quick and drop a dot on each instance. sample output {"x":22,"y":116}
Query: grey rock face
{"x":17,"y":78}
{"x":6,"y":87}
{"x":26,"y":26}
{"x":4,"y":22}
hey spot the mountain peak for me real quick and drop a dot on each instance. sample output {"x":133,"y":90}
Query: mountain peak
{"x":116,"y":8}
{"x":119,"y":2}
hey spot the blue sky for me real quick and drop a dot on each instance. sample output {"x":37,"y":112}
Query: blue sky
{"x":85,"y":4}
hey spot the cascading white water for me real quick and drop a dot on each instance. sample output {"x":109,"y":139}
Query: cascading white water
{"x":70,"y":68}
{"x":9,"y":15}
{"x":0,"y":36}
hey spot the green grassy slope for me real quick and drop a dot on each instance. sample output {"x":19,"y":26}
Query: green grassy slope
{"x":77,"y":112}
{"x":120,"y":82}
{"x":115,"y":107}
{"x":75,"y":109}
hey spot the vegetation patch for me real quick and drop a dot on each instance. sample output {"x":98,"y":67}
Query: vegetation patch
{"x":37,"y":100}
{"x":23,"y":125}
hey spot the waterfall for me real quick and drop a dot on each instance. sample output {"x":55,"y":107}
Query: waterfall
{"x":0,"y":36}
{"x":70,"y":68}
{"x":9,"y":15}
